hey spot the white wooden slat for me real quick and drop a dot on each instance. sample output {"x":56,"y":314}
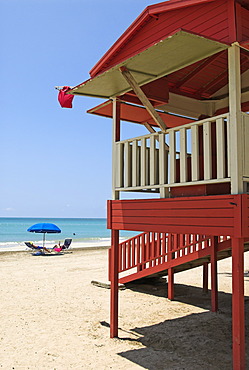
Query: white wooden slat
{"x":143,"y":162}
{"x":228,"y":149}
{"x":172,"y":156}
{"x":207,"y":150}
{"x":120,"y":165}
{"x":134,"y":162}
{"x":195,"y":159}
{"x":183,"y":155}
{"x":220,"y":144}
{"x":152,"y":160}
{"x":128,"y":174}
{"x":162,"y":160}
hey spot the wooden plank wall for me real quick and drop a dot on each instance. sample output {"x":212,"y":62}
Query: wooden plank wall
{"x":211,"y":20}
{"x":245,"y":24}
{"x":210,"y":215}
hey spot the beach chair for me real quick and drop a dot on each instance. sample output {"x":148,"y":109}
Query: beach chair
{"x":38,"y":249}
{"x":61,"y":248}
{"x":32,"y":246}
{"x":66,"y":244}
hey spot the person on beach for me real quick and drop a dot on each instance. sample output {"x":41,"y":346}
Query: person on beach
{"x":39,"y":248}
{"x":57,"y":247}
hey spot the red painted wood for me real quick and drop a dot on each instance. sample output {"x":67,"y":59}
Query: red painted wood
{"x":109,"y":214}
{"x":214,"y":276}
{"x":204,"y":19}
{"x":205,"y":277}
{"x":114,"y":285}
{"x":238,"y":319}
{"x":226,"y":223}
{"x":171,"y":284}
{"x":169,"y":262}
{"x":136,"y":114}
{"x":238,"y":20}
{"x":245,"y":23}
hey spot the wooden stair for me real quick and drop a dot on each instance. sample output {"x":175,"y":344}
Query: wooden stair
{"x":150,"y":255}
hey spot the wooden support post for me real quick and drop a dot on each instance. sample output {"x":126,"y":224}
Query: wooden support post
{"x":235,"y":121}
{"x":214,"y":281}
{"x":114,"y":285}
{"x":238,"y":314}
{"x":143,"y":98}
{"x":171,"y":284}
{"x":205,"y":277}
{"x":115,"y":138}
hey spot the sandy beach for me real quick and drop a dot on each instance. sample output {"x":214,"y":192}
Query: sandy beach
{"x":52,"y":317}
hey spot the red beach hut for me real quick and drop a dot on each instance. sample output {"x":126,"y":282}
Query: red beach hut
{"x":182,"y":70}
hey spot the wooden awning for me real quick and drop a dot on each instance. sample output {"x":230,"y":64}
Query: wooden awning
{"x":167,"y":56}
{"x":137,"y":114}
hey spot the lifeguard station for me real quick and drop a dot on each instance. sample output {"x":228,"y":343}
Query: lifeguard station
{"x":182,"y":70}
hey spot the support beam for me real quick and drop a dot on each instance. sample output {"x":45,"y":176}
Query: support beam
{"x":115,"y":138}
{"x":114,"y":284}
{"x":235,"y":122}
{"x":171,"y":284}
{"x":205,"y":278}
{"x":214,"y":280}
{"x":238,"y":314}
{"x":143,"y":98}
{"x":153,"y":131}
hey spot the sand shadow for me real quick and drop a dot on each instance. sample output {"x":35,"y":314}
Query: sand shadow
{"x":197,"y":341}
{"x":187,"y":294}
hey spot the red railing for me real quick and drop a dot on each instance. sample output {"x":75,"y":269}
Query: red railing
{"x":147,"y":250}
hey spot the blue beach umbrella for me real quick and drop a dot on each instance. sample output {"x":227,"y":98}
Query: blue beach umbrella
{"x":44,"y":228}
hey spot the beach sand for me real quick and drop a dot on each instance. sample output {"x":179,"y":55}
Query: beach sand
{"x":52,"y":317}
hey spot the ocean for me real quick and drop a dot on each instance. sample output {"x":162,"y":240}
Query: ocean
{"x":13,"y":231}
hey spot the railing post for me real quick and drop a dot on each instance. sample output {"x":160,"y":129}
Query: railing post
{"x":195,"y":169}
{"x":220,"y":143}
{"x":172,"y":156}
{"x":183,"y":155}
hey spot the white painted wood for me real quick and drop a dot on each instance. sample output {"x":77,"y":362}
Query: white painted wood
{"x":245,"y":118}
{"x":162,"y":160}
{"x":201,"y":182}
{"x":120,"y":165}
{"x":115,"y":194}
{"x":143,"y":98}
{"x":228,"y":148}
{"x":236,"y":149}
{"x":127,"y":169}
{"x":207,"y":150}
{"x":195,"y":159}
{"x":220,"y":145}
{"x":172,"y":156}
{"x":143,"y":162}
{"x":183,"y":155}
{"x":134,"y":163}
{"x":152,"y":160}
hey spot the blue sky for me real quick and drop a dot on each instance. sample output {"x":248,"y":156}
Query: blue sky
{"x":56,"y":162}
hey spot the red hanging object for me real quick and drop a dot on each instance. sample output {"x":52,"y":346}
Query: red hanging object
{"x":65,"y":99}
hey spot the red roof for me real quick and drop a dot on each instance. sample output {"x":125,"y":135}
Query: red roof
{"x":222,"y":20}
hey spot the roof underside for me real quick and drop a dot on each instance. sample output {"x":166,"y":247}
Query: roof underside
{"x":137,"y":114}
{"x":179,"y":56}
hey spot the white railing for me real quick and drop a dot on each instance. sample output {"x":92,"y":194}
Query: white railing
{"x":196,"y":153}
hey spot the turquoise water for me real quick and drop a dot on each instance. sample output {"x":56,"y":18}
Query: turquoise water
{"x":13,"y":231}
